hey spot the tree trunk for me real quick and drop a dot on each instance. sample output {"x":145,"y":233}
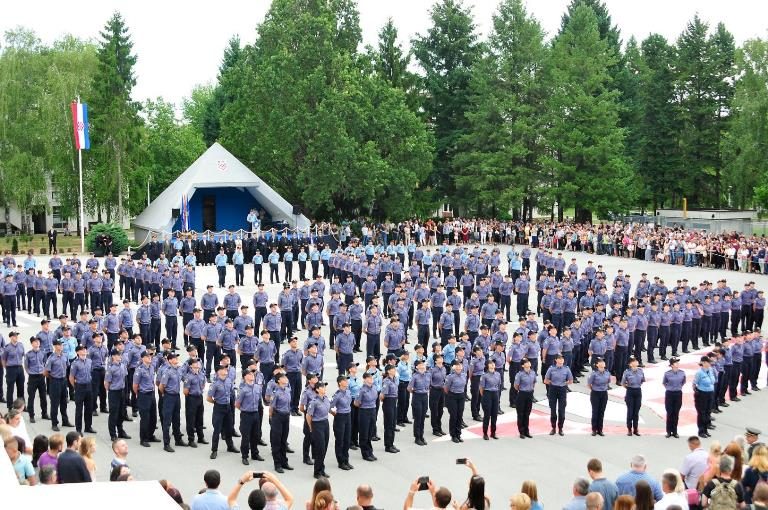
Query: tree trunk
{"x":582,"y":215}
{"x":119,"y":183}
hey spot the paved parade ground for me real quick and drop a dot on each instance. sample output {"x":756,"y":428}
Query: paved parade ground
{"x":552,"y":461}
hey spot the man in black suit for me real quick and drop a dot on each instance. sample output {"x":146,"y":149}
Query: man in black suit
{"x":71,"y":466}
{"x":52,"y":240}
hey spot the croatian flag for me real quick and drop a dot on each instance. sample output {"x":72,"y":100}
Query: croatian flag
{"x":80,"y":123}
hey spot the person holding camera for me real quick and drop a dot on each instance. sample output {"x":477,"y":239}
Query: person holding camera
{"x":266,"y":495}
{"x":441,"y":497}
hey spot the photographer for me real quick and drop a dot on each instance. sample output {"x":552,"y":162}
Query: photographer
{"x":264,"y":497}
{"x":441,"y":497}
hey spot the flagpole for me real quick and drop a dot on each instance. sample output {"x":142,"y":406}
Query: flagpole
{"x":82,"y":215}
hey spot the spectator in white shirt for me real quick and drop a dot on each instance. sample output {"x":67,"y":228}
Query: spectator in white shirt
{"x":695,"y":463}
{"x":671,"y":497}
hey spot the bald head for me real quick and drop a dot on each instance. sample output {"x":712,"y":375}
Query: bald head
{"x":364,"y":495}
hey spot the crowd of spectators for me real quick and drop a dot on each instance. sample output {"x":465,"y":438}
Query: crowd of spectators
{"x":733,"y":476}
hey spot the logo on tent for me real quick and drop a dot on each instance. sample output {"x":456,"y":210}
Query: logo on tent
{"x":222,"y":165}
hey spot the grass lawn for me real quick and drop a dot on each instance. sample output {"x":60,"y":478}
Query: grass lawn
{"x":64,"y":244}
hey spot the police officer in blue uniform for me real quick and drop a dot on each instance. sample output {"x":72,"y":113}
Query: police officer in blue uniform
{"x":56,"y":371}
{"x":389,"y":391}
{"x":597,"y":383}
{"x":557,"y":378}
{"x":317,"y":420}
{"x":279,"y":418}
{"x":81,"y":377}
{"x":341,"y":409}
{"x":366,"y":402}
{"x":453,"y":387}
{"x":490,"y":389}
{"x":673,"y":381}
{"x":194,"y":386}
{"x":219,"y":394}
{"x":632,"y":380}
{"x":418,"y":387}
{"x":114,"y":382}
{"x":144,"y":388}
{"x":248,"y":402}
{"x":34,"y":364}
{"x":524,"y":383}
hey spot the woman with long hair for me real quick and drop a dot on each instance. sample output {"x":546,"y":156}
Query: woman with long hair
{"x":87,"y":449}
{"x":476,"y":498}
{"x":321,"y":484}
{"x":643,"y":496}
{"x":529,"y":489}
{"x":39,"y":447}
{"x":734,"y":450}
{"x":756,"y":471}
{"x":324,"y":501}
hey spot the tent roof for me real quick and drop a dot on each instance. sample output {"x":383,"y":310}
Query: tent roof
{"x":215,"y":168}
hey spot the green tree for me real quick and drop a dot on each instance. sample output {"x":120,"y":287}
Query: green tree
{"x":499,"y":158}
{"x":115,"y":127}
{"x":657,"y":156}
{"x":391,"y":63}
{"x":586,"y":144}
{"x":195,"y":107}
{"x":704,"y":69}
{"x":446,"y":55}
{"x":169,"y":147}
{"x":746,"y":143}
{"x":311,"y":116}
{"x":223,"y":94}
{"x":37,"y":83}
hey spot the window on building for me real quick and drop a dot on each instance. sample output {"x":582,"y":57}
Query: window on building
{"x":58,"y":221}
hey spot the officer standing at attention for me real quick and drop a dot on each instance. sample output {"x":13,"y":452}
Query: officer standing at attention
{"x":248,"y":401}
{"x":389,"y":390}
{"x":632,"y":380}
{"x":557,"y":378}
{"x":673,"y":381}
{"x":366,"y":402}
{"x":597,"y":383}
{"x":341,"y":409}
{"x":490,"y":388}
{"x":144,"y":388}
{"x":12,"y":357}
{"x":404,"y":372}
{"x":418,"y":387}
{"x":274,"y":260}
{"x":453,"y":387}
{"x":56,"y":371}
{"x":238,"y":259}
{"x":170,"y":388}
{"x":704,"y":385}
{"x":219,"y":395}
{"x":194,"y":386}
{"x":317,"y":420}
{"x":279,"y":417}
{"x":81,"y":377}
{"x":524,"y":382}
{"x":221,"y":267}
{"x":114,"y":382}
{"x":34,"y":364}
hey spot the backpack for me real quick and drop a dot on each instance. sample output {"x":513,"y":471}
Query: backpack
{"x":723,"y":495}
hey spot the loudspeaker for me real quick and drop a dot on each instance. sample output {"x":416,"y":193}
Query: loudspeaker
{"x":296,"y":210}
{"x":175,"y":213}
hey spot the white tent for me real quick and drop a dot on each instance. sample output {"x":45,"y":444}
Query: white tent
{"x":215,"y":168}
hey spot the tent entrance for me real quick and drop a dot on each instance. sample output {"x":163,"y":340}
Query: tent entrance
{"x":209,"y":212}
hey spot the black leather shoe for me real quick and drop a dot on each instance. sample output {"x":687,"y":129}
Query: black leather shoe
{"x":522,"y":436}
{"x":214,"y":455}
{"x":181,"y":442}
{"x":144,"y":444}
{"x":279,"y":470}
{"x":257,"y":457}
{"x":344,"y":467}
{"x":375,"y":438}
{"x":560,"y":432}
{"x":309,"y":462}
{"x":202,"y":441}
{"x":289,"y":450}
{"x":288,"y":467}
{"x":456,"y":440}
{"x":233,"y":449}
{"x":594,"y":433}
{"x":552,"y":432}
{"x":262,"y":443}
{"x":245,"y":461}
{"x":168,"y":448}
{"x":90,"y":430}
{"x":123,"y":435}
{"x":391,"y":449}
